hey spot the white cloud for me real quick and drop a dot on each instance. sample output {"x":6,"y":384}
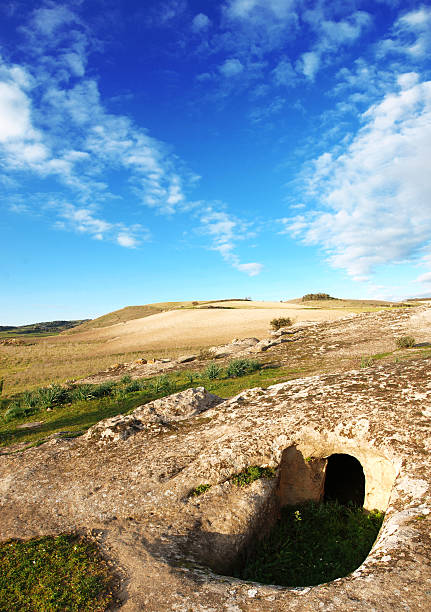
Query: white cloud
{"x":225,"y":232}
{"x":231,"y":67}
{"x":126,"y":240}
{"x":54,"y":126}
{"x":85,"y":221}
{"x":246,"y":9}
{"x":252,"y":269}
{"x":309,"y":64}
{"x":283,"y":73}
{"x":376,"y":195}
{"x":200,"y":22}
{"x":415,"y":24}
{"x":48,"y":20}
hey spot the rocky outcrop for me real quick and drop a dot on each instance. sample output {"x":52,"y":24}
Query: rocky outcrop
{"x":151,"y":416}
{"x":133,"y":491}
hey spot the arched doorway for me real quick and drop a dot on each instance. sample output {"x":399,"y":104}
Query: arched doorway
{"x":344,"y":480}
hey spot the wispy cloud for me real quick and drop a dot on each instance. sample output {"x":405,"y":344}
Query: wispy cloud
{"x":225,"y":231}
{"x":411,"y":35}
{"x":376,"y":193}
{"x":55,"y":127}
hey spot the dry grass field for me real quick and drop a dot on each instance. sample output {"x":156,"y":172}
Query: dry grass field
{"x":153,"y":331}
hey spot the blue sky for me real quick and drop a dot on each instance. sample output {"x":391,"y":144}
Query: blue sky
{"x":179,"y":149}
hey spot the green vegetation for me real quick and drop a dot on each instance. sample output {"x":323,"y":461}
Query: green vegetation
{"x":54,"y":574}
{"x":310,"y":297}
{"x":241,"y":367}
{"x":312,"y":543}
{"x":405,"y":342}
{"x":47,"y":328}
{"x":75,"y":408}
{"x":251,"y":474}
{"x":212,"y":371}
{"x":280,"y":322}
{"x":366,"y":362}
{"x":199,"y":490}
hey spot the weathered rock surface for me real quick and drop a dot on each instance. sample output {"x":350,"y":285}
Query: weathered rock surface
{"x":133,"y":492}
{"x":164,"y":411}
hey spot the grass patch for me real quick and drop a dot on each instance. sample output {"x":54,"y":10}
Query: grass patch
{"x":313,"y":543}
{"x":199,"y":490}
{"x":53,"y":574}
{"x":252,"y":473}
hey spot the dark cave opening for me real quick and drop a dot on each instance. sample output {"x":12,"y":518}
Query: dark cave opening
{"x":344,"y":480}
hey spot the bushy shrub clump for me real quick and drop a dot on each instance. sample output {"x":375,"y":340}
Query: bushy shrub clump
{"x":309,"y":297}
{"x":313,"y":543}
{"x":405,"y":342}
{"x":280,"y":322}
{"x":241,"y":367}
{"x":212,"y":371}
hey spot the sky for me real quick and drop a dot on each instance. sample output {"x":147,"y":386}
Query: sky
{"x":182,"y":149}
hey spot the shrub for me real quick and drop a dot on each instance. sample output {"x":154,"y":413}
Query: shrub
{"x":162,"y":384}
{"x":308,"y":297}
{"x":405,"y":342}
{"x":212,"y":371}
{"x":81,"y":393}
{"x":281,"y":322}
{"x":125,"y":380}
{"x":133,"y":386}
{"x":205,"y":354}
{"x":240,"y":367}
{"x":103,"y":390}
{"x":17,"y":411}
{"x":1,"y":385}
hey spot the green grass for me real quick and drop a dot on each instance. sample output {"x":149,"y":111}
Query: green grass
{"x":199,"y":490}
{"x":50,"y":574}
{"x":311,"y":544}
{"x":251,"y":474}
{"x":92,"y":403}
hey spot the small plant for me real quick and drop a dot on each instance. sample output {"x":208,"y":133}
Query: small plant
{"x":191,"y":376}
{"x":277,"y":324}
{"x":126,"y":379}
{"x":405,"y":342}
{"x":240,"y":367}
{"x":212,"y":371}
{"x":1,"y":385}
{"x":205,"y":354}
{"x":199,"y":490}
{"x":366,"y":362}
{"x":17,"y":411}
{"x":133,"y":386}
{"x":162,"y":384}
{"x":103,"y":390}
{"x":251,"y":474}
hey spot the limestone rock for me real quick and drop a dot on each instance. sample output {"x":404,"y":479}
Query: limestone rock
{"x":186,"y":358}
{"x":176,"y":407}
